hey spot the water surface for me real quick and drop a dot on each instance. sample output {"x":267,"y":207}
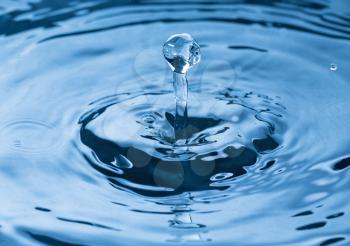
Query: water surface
{"x":87,"y":108}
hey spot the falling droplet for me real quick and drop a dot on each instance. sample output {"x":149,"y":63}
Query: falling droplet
{"x":333,"y":67}
{"x":181,"y":52}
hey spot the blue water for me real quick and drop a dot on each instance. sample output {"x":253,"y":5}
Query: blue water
{"x":87,"y":148}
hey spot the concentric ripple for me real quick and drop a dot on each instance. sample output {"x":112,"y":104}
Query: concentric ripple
{"x":87,"y":150}
{"x":134,"y":146}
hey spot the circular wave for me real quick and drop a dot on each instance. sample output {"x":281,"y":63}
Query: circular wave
{"x":85,"y":88}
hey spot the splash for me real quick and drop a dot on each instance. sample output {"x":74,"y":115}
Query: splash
{"x":181,"y":52}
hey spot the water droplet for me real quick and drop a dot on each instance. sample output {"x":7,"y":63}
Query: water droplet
{"x":333,"y":67}
{"x":181,"y":52}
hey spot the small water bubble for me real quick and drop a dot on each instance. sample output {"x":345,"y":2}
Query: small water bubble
{"x":148,"y":119}
{"x":333,"y":67}
{"x":181,"y":52}
{"x":221,"y":176}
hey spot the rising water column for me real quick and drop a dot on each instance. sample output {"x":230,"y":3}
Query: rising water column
{"x":181,"y":52}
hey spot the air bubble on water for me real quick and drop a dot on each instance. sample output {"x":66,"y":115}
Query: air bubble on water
{"x":333,"y":67}
{"x":221,"y":176}
{"x":148,"y":119}
{"x":181,"y":52}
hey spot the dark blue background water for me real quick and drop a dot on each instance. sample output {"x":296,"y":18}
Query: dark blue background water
{"x":87,"y":110}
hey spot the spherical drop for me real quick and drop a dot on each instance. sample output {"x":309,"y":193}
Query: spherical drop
{"x":181,"y":52}
{"x":333,"y":67}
